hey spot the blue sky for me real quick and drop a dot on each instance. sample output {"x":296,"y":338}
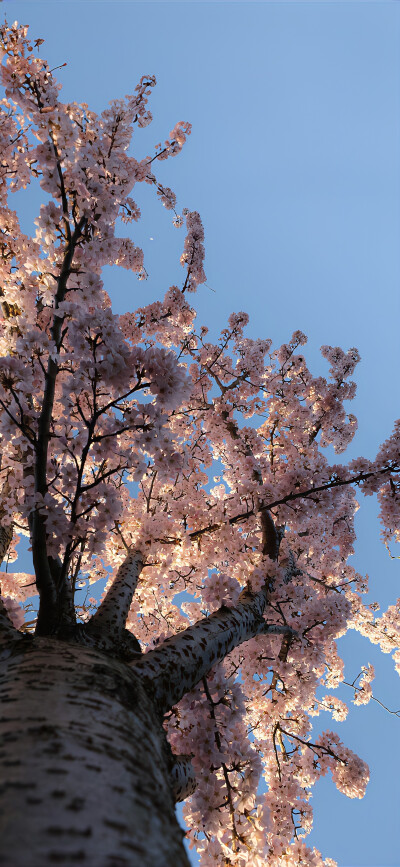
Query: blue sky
{"x":293,"y":163}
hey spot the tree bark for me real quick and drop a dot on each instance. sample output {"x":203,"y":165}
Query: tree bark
{"x":84,"y":766}
{"x":173,"y":668}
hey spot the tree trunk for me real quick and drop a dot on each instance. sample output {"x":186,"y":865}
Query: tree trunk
{"x":83,"y":763}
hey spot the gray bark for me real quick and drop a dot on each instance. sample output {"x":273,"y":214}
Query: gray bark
{"x":111,"y":615}
{"x":85,"y":771}
{"x":180,"y":662}
{"x":8,"y":632}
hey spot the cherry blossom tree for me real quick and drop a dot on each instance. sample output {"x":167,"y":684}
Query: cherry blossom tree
{"x":137,"y":451}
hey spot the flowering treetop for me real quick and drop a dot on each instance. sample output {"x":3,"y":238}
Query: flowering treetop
{"x":111,"y":427}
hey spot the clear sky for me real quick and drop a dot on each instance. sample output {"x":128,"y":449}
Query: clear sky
{"x":293,"y":164}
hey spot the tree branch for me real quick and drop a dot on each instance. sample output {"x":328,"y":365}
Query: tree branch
{"x":182,"y":777}
{"x":335,"y":483}
{"x":111,"y":615}
{"x":174,"y":668}
{"x":6,"y":534}
{"x":8,"y":632}
{"x":47,"y":616}
{"x":270,"y":536}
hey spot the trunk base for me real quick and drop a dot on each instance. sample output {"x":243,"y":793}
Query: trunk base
{"x":84,"y":775}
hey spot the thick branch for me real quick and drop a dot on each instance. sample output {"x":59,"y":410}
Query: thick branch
{"x":6,"y":534}
{"x":8,"y":632}
{"x":174,"y":668}
{"x":112,"y":613}
{"x":335,"y":483}
{"x":47,"y":615}
{"x":182,"y":778}
{"x":65,"y":589}
{"x":270,"y":536}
